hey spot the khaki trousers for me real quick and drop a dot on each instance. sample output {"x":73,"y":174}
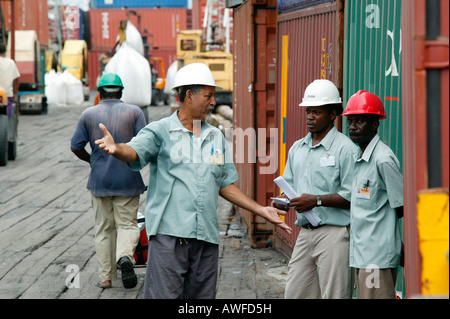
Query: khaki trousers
{"x":319,"y":265}
{"x":116,"y":234}
{"x":375,"y":283}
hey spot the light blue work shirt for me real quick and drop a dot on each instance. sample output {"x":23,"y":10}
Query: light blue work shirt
{"x":325,"y":168}
{"x":375,"y":240}
{"x":109,"y":176}
{"x":183,"y":185}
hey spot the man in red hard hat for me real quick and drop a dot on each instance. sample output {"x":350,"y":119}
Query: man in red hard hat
{"x":376,"y":201}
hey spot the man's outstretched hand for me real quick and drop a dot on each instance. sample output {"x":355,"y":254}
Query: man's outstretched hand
{"x":107,"y":142}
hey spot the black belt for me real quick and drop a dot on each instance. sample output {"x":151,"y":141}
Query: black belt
{"x":310,"y":226}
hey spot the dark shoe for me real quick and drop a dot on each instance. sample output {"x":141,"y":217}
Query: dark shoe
{"x":129,"y":278}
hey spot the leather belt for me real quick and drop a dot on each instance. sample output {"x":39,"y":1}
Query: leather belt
{"x":310,"y":226}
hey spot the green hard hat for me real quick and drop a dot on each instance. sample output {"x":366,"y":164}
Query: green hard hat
{"x":110,"y":79}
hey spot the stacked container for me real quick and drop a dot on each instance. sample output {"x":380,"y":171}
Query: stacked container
{"x":159,"y":26}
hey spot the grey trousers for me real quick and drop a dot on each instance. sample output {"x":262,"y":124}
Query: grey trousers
{"x":179,"y":268}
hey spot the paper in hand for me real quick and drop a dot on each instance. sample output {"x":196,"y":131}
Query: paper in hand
{"x":290,"y":193}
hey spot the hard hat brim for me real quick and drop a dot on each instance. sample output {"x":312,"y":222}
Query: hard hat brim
{"x":175,"y":88}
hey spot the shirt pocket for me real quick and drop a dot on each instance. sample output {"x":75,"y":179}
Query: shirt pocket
{"x":366,"y":192}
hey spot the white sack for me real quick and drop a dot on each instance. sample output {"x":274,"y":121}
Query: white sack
{"x":73,"y":87}
{"x":134,"y":70}
{"x":133,"y":38}
{"x":170,"y":77}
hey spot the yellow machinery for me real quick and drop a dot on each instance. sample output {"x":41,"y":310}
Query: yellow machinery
{"x":74,"y":60}
{"x":191,"y":49}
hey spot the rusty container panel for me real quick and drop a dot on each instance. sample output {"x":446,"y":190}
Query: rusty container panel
{"x":425,"y":58}
{"x":161,"y":24}
{"x":243,"y":102}
{"x":29,"y":15}
{"x":254,"y":100}
{"x":309,"y":48}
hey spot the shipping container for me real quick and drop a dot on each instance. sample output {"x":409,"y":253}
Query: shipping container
{"x":254,"y":98}
{"x":309,"y":43}
{"x":292,"y":5}
{"x":67,"y":22}
{"x":159,"y":25}
{"x":29,"y":15}
{"x":373,"y":62}
{"x":198,"y":15}
{"x":117,"y":4}
{"x":425,"y":97}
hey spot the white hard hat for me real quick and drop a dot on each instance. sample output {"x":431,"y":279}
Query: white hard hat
{"x":194,"y":74}
{"x":321,"y":92}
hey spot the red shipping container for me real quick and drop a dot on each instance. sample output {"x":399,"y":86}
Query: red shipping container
{"x":161,"y":24}
{"x":427,"y":55}
{"x":254,"y":98}
{"x":29,"y":15}
{"x":309,"y":48}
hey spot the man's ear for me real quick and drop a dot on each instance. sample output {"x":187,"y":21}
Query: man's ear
{"x":333,"y":114}
{"x":376,"y":124}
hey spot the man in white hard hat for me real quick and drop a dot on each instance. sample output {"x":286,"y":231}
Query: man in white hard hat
{"x":319,"y":168}
{"x":190,"y":166}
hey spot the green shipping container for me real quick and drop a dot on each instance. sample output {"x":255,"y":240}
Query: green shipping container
{"x":372,"y":62}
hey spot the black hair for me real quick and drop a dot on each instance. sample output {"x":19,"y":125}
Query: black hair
{"x":337,"y":107}
{"x":2,"y":48}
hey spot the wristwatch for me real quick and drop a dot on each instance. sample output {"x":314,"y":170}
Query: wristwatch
{"x":319,"y":200}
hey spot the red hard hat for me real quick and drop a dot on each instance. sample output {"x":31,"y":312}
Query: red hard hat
{"x":363,"y":102}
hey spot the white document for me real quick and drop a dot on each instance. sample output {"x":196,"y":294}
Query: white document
{"x":290,"y":193}
{"x":281,"y":201}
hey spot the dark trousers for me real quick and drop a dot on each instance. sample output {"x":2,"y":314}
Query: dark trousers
{"x":180,"y":268}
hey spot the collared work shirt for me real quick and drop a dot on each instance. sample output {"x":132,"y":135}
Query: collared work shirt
{"x":325,"y":168}
{"x":183,"y":185}
{"x":109,"y":176}
{"x":375,"y":240}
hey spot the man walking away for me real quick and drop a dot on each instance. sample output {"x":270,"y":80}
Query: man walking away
{"x":115,"y":188}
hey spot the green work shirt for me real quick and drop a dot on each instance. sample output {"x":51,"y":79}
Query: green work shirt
{"x":325,"y":168}
{"x":375,"y":240}
{"x":183,"y":185}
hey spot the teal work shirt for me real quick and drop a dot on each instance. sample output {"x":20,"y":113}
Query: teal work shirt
{"x":184,"y":184}
{"x":375,"y":240}
{"x":325,"y":168}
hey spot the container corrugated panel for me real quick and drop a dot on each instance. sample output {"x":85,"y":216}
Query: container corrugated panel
{"x":254,"y":99}
{"x":309,"y":48}
{"x":372,"y":61}
{"x":243,"y":100}
{"x":29,"y":15}
{"x":111,"y":4}
{"x":426,"y":51}
{"x":162,"y":24}
{"x":292,"y":5}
